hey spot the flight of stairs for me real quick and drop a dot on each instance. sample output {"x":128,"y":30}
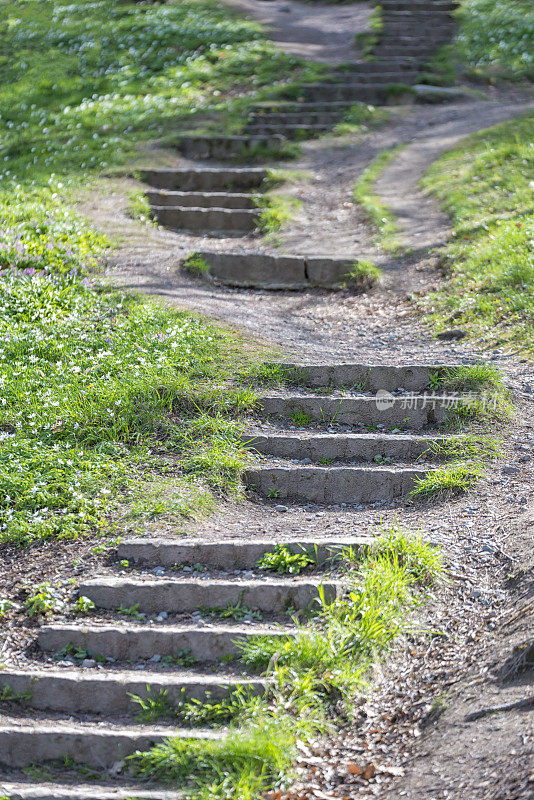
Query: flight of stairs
{"x":157,"y":620}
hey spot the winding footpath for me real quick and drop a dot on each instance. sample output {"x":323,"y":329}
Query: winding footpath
{"x":340,"y":434}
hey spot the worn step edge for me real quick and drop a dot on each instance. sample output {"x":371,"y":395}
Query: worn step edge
{"x":207,"y":219}
{"x":281,"y":272}
{"x":408,"y":412}
{"x":230,"y":553}
{"x":342,"y":447}
{"x":372,"y":377}
{"x":205,"y":178}
{"x":182,"y":594}
{"x":101,"y":692}
{"x":234,"y":200}
{"x":78,"y":791}
{"x":136,"y":641}
{"x":333,"y":485}
{"x":35,"y":742}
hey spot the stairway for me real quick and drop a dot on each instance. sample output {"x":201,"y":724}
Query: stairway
{"x":170,"y":612}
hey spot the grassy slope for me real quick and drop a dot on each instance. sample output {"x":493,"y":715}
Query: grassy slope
{"x":94,"y":383}
{"x":486,"y":185}
{"x":495,"y":40}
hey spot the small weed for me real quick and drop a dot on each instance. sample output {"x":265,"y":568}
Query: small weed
{"x":300,"y":418}
{"x":124,"y":563}
{"x":283,"y":561}
{"x":8,"y":695}
{"x":132,"y":611}
{"x":447,"y":481}
{"x":79,"y":654}
{"x":275,"y":212}
{"x":38,"y":773}
{"x":5,"y":605}
{"x":363,"y":275}
{"x":196,"y":265}
{"x":237,"y":611}
{"x":325,"y":460}
{"x":42,"y":602}
{"x":272,"y":494}
{"x":139,"y":207}
{"x":153,"y":706}
{"x":192,"y":711}
{"x":182,"y":658}
{"x":82,"y":606}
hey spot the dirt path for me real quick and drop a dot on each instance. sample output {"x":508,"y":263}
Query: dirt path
{"x":319,"y":32}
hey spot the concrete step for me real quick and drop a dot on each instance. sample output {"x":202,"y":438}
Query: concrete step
{"x":182,"y":594}
{"x":346,"y":447}
{"x":407,"y":38}
{"x":229,"y":553}
{"x":162,"y":197}
{"x":134,"y":641}
{"x":377,"y":78}
{"x":108,"y":692}
{"x":24,"y":742}
{"x":207,"y":220}
{"x":223,"y":147}
{"x":220,"y":179}
{"x":441,"y":16}
{"x":298,"y":117}
{"x":81,"y":791}
{"x":414,"y":6}
{"x":365,"y":377}
{"x":408,"y":413}
{"x":290,"y":131}
{"x":420,"y":52}
{"x":368,"y":93}
{"x":333,"y":485}
{"x":281,"y":272}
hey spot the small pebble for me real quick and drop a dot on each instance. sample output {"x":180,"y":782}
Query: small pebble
{"x":282,"y":509}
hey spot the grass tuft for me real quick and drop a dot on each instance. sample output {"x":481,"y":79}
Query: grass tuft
{"x":377,"y":213}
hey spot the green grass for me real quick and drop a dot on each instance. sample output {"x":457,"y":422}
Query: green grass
{"x":196,"y":265}
{"x":114,"y":410}
{"x":283,"y":561}
{"x":314,"y":677}
{"x":495,"y":40}
{"x":276,"y":211}
{"x":486,"y":186}
{"x":360,"y":118}
{"x":377,"y":213}
{"x":447,"y":481}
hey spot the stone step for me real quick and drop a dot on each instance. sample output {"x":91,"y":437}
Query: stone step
{"x":229,"y":553}
{"x":81,"y":791}
{"x":134,"y":641}
{"x":368,"y":93}
{"x":221,"y":179}
{"x":25,"y":742}
{"x":285,"y":106}
{"x":108,"y":692}
{"x":407,"y":38}
{"x":408,"y":413}
{"x":281,"y":272}
{"x":365,"y":377}
{"x":207,"y":220}
{"x":441,"y":16}
{"x":377,"y":78}
{"x":290,"y":131}
{"x":344,"y":447}
{"x":333,"y":485}
{"x":162,"y":197}
{"x":222,"y":147}
{"x":420,"y":52}
{"x":414,"y":6}
{"x":182,"y":594}
{"x":298,"y":117}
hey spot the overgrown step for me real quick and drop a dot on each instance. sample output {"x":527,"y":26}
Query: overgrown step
{"x":257,"y":270}
{"x":366,"y":377}
{"x":289,"y":131}
{"x":108,"y":692}
{"x":230,"y":553}
{"x":409,"y":413}
{"x":134,"y":641}
{"x":234,"y":222}
{"x":299,"y":116}
{"x":365,"y":92}
{"x":164,"y":198}
{"x":217,"y":179}
{"x":344,"y":447}
{"x":333,"y":485}
{"x":376,"y":78}
{"x":230,"y":147}
{"x":272,"y":596}
{"x":24,"y":742}
{"x":51,"y":790}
